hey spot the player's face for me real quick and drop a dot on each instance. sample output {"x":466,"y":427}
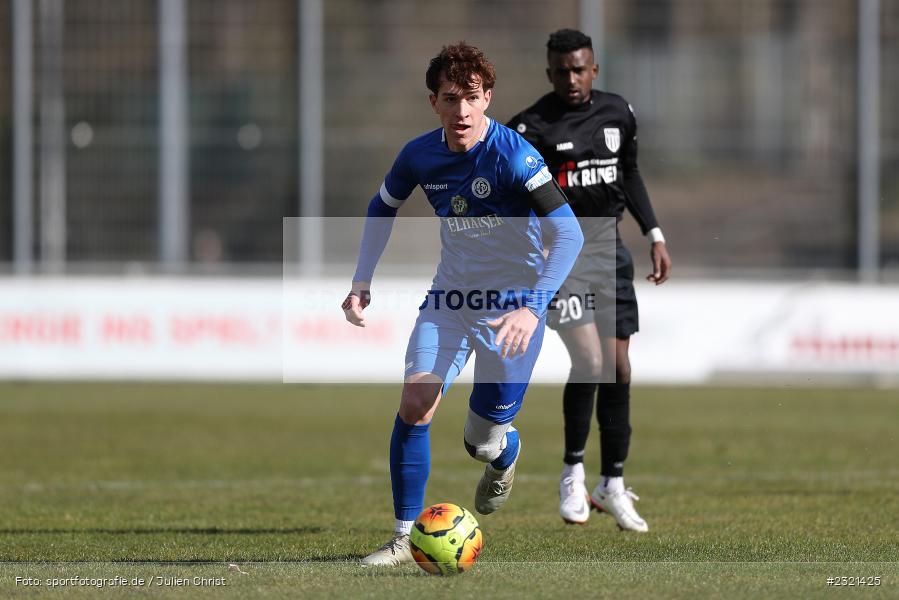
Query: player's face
{"x":461,"y":113}
{"x":572,"y":75}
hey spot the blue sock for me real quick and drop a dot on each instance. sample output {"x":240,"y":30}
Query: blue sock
{"x":410,"y":463}
{"x":509,"y":453}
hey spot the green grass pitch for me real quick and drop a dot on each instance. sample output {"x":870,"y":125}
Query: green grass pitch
{"x":748,"y":492}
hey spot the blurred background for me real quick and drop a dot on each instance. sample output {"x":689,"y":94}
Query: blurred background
{"x":164,"y":164}
{"x":750,"y":115}
{"x":174,"y":136}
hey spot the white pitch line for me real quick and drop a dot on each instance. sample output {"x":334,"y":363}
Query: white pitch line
{"x":873,"y":477}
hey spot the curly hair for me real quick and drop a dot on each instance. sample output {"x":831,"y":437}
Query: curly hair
{"x":568,"y":40}
{"x":462,"y":64}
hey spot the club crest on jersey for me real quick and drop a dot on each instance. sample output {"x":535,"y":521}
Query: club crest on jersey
{"x":480,"y":187}
{"x":613,"y":138}
{"x":459,"y":205}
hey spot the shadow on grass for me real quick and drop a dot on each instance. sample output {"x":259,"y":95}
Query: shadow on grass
{"x":349,"y":560}
{"x":151,"y":531}
{"x":389,"y":573}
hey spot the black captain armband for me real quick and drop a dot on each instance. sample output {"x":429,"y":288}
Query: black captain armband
{"x":547,"y":198}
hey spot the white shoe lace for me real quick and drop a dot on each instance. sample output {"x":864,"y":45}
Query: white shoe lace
{"x":570,"y":486}
{"x":395,"y":545}
{"x":629,"y":496}
{"x":499,"y":485}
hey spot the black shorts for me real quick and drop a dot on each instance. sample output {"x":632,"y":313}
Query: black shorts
{"x":592,"y":293}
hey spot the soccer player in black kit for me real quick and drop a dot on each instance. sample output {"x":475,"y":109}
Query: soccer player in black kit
{"x":588,"y":139}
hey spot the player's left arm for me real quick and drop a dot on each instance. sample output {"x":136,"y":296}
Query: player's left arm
{"x":639,"y":205}
{"x":562,"y":230}
{"x":514,"y":329}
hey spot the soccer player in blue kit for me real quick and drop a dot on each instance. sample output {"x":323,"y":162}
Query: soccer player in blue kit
{"x":496,"y":202}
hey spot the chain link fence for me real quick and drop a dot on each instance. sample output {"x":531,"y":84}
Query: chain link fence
{"x":747,"y":111}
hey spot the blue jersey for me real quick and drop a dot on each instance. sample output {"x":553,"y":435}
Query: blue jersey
{"x":490,"y":235}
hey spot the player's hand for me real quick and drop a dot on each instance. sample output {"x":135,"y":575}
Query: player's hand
{"x":661,"y":264}
{"x":358,"y":298}
{"x":514,"y":331}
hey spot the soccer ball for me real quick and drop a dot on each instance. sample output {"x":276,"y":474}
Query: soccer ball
{"x":446,"y":539}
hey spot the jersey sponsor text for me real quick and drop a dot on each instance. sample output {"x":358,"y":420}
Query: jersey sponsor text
{"x":571,"y":175}
{"x":473,"y":226}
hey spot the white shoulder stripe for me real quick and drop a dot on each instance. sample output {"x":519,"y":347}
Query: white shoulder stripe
{"x":486,"y":129}
{"x":539,"y":179}
{"x":388,"y":199}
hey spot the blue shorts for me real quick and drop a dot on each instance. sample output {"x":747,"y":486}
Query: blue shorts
{"x":443,"y":339}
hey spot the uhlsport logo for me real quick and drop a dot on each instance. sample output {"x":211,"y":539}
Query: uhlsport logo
{"x":613,"y":138}
{"x":459,"y":205}
{"x":521,"y":128}
{"x":531,"y":162}
{"x":480,"y":187}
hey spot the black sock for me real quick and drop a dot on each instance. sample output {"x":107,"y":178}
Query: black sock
{"x":577,"y":407}
{"x":613,"y":414}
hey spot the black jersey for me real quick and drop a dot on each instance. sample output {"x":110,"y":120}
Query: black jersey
{"x":591,"y":150}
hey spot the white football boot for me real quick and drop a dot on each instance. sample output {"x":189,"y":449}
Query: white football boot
{"x":619,"y":504}
{"x":574,"y":502}
{"x":391,"y":554}
{"x":494,"y":487}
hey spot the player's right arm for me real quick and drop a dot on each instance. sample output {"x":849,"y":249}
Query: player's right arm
{"x":382,"y":209}
{"x":378,"y":225}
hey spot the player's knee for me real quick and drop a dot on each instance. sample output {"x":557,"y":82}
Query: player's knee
{"x":483,"y":452}
{"x":483,"y":439}
{"x":575,"y":376}
{"x":417,"y":402}
{"x":623,"y":371}
{"x":415,"y":411}
{"x":588,"y":367}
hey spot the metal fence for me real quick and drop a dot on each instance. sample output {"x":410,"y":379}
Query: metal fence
{"x":749,"y":117}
